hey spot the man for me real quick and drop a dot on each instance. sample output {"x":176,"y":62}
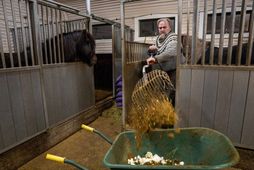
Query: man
{"x":165,"y":47}
{"x":165,"y":50}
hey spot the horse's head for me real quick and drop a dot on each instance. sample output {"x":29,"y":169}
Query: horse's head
{"x":86,"y":48}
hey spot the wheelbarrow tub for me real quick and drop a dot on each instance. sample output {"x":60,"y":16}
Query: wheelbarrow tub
{"x":199,"y":148}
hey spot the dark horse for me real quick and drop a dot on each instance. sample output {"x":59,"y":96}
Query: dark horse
{"x":77,"y":46}
{"x":224,"y":56}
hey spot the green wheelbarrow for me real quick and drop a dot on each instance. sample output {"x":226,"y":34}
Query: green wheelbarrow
{"x":199,"y":148}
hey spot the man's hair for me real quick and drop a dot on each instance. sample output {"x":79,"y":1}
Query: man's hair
{"x":165,"y":20}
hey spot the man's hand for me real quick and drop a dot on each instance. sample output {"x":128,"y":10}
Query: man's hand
{"x":151,"y":60}
{"x":152,"y":48}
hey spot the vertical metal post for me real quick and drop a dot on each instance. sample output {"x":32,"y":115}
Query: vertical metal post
{"x":35,"y":25}
{"x":7,"y":32}
{"x":44,"y":36}
{"x":88,"y":7}
{"x":49,"y":37}
{"x":204,"y":32}
{"x":231,"y":33}
{"x":213,"y":32}
{"x":2,"y":52}
{"x":36,"y":40}
{"x":23,"y":33}
{"x":30,"y":32}
{"x":123,"y":63}
{"x":57,"y":37}
{"x":179,"y":33}
{"x":179,"y":46}
{"x":113,"y":60}
{"x":61,"y":33}
{"x":53,"y":36}
{"x":240,"y":37}
{"x":194,"y":31}
{"x":222,"y":25}
{"x":15,"y":32}
{"x":188,"y":33}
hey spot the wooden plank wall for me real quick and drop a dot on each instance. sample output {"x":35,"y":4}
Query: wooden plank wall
{"x":21,"y":106}
{"x":221,"y":99}
{"x":68,"y":90}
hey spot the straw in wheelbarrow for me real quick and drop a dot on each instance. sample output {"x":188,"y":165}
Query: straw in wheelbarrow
{"x":151,"y":106}
{"x":193,"y":149}
{"x":148,"y":159}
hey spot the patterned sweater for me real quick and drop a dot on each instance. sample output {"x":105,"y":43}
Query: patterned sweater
{"x":167,"y":52}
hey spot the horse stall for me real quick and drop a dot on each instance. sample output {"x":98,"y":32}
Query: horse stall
{"x":214,"y":88}
{"x":46,"y":77}
{"x":107,"y":35}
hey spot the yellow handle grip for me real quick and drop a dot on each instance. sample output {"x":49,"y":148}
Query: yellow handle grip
{"x":87,"y":128}
{"x":55,"y":158}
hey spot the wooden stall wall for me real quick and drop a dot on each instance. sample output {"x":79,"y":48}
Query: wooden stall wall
{"x":39,"y":96}
{"x":69,"y":90}
{"x":21,"y":106}
{"x":220,"y":99}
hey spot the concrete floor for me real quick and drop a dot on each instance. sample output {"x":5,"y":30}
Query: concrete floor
{"x":88,"y":149}
{"x":84,"y":147}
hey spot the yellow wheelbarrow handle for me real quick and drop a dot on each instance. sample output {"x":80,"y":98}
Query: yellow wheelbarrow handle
{"x":55,"y":158}
{"x":90,"y":129}
{"x":64,"y":160}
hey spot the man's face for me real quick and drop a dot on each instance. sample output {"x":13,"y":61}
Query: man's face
{"x":163,"y":28}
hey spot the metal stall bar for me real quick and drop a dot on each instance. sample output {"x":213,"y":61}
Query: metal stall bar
{"x":194,"y":32}
{"x":36,"y":38}
{"x":222,"y":25}
{"x":15,"y":33}
{"x":123,"y":58}
{"x":76,"y":25}
{"x":204,"y":33}
{"x":7,"y":32}
{"x":251,"y":36}
{"x":123,"y":63}
{"x":188,"y":33}
{"x":72,"y":26}
{"x":40,"y":56}
{"x":49,"y":35}
{"x":53,"y":35}
{"x":61,"y":34}
{"x":213,"y":32}
{"x":23,"y":33}
{"x":30,"y":33}
{"x":61,"y":6}
{"x":57,"y":36}
{"x":44,"y":36}
{"x":113,"y":59}
{"x":52,"y":13}
{"x":2,"y":52}
{"x":240,"y":37}
{"x":179,"y":33}
{"x":231,"y":33}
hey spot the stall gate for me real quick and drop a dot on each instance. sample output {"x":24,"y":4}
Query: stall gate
{"x":36,"y":94}
{"x":214,"y":88}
